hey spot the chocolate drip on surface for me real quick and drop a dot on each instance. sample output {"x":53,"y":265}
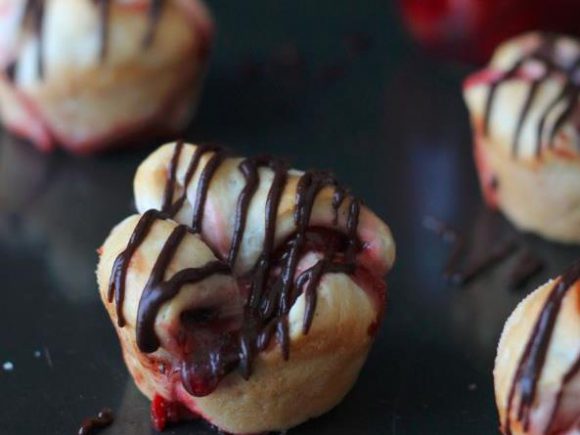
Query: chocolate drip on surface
{"x":546,"y":55}
{"x":526,"y":267}
{"x":34,"y":11}
{"x":90,"y":425}
{"x":448,"y":235}
{"x":483,"y":264}
{"x":273,"y":286}
{"x":529,"y":369}
{"x":104,"y":12}
{"x":249,"y":169}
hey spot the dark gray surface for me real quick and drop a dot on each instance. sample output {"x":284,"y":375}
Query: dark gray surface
{"x":388,"y":121}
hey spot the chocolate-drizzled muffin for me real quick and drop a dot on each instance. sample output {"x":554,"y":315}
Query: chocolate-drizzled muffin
{"x":245,"y":293}
{"x":526,"y":120}
{"x":537,"y":369}
{"x":90,"y":74}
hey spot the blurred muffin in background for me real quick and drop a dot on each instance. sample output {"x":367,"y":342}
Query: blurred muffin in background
{"x":47,"y":210}
{"x":525,"y":114}
{"x":88,"y":75}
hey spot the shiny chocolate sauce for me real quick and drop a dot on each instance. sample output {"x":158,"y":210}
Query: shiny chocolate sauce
{"x":527,"y":264}
{"x":271,"y":284}
{"x":564,"y":103}
{"x":91,"y":425}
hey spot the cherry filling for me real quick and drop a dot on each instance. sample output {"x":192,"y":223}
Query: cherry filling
{"x":207,"y":340}
{"x":206,"y":362}
{"x":200,"y":316}
{"x":213,"y":345}
{"x":322,"y":239}
{"x":164,"y":412}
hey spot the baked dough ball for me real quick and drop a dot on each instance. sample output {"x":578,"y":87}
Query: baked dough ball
{"x":537,"y":368}
{"x":526,"y":118}
{"x":90,"y":74}
{"x":245,"y":292}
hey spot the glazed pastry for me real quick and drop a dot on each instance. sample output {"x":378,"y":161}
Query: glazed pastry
{"x":526,"y":120}
{"x":537,"y":368}
{"x":245,"y":292}
{"x":90,"y":74}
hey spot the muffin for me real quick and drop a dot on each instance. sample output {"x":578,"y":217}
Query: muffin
{"x":88,"y":75}
{"x":244,"y":292}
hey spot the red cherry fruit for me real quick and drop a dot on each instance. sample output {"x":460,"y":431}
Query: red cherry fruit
{"x":164,"y":412}
{"x":471,"y":29}
{"x":159,"y":412}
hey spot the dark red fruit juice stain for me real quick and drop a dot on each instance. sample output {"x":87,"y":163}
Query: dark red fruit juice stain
{"x":376,"y":288}
{"x":92,"y":425}
{"x":164,"y":412}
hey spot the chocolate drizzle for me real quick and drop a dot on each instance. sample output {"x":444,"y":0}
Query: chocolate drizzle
{"x":171,"y":178}
{"x":202,"y":188}
{"x":102,"y":420}
{"x":452,"y":270}
{"x":529,"y":369}
{"x":157,"y":291}
{"x":119,"y":273}
{"x":155,"y":10}
{"x":172,"y":208}
{"x":34,"y":11}
{"x":34,"y":17}
{"x":104,"y":12}
{"x":483,"y":264}
{"x":547,"y":56}
{"x":273,"y":282}
{"x":249,"y":168}
{"x":268,"y":306}
{"x":567,"y":378}
{"x":526,"y":267}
